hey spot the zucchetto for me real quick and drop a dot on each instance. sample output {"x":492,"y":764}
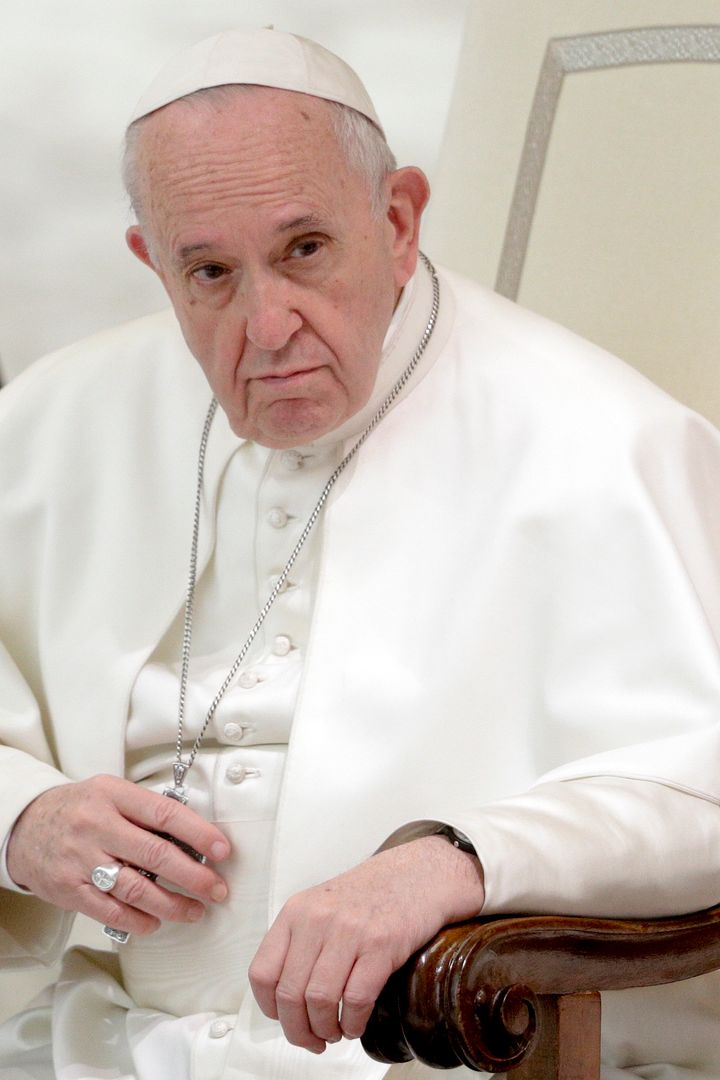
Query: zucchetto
{"x":260,"y":58}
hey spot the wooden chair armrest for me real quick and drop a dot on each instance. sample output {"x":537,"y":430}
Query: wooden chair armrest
{"x":483,"y":993}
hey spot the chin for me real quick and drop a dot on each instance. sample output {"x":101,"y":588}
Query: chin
{"x":286,"y":440}
{"x":295,"y":424}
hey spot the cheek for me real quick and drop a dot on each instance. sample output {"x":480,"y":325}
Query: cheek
{"x":359,"y":366}
{"x":370,"y":319}
{"x":215,"y":339}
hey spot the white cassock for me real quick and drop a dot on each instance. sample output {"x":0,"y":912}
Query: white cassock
{"x":506,"y":619}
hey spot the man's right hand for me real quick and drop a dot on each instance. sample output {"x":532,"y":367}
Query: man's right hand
{"x":67,"y":831}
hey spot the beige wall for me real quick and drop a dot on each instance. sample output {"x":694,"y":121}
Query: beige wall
{"x":624,"y":241}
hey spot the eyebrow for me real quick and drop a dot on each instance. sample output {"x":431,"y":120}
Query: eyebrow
{"x":312,"y":220}
{"x":190,"y":249}
{"x":305,"y":221}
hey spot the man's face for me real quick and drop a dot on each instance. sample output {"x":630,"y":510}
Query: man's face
{"x":282,"y":277}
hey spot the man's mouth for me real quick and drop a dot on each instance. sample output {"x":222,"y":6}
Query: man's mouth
{"x":287,"y":378}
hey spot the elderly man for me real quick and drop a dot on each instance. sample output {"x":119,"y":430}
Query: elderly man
{"x":447,"y":562}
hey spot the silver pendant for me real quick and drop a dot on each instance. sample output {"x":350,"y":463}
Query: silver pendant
{"x":178,"y":791}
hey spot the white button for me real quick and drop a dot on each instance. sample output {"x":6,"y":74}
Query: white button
{"x":248,"y":680}
{"x":282,"y":645}
{"x":218,"y":1029}
{"x":292,"y":460}
{"x":277,"y":517}
{"x":233,"y":731}
{"x":236,"y":774}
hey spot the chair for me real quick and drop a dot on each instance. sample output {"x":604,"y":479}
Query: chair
{"x":521,"y":993}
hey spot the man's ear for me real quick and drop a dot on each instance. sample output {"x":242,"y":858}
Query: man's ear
{"x":409,"y":192}
{"x":136,"y":242}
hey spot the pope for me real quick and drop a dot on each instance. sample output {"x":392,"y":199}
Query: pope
{"x":442,"y":561}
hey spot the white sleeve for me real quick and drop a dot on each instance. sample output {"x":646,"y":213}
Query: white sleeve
{"x":31,"y":930}
{"x":599,"y":846}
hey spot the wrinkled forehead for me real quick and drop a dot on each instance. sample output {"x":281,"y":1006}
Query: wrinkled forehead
{"x":240,"y":147}
{"x":254,"y":123}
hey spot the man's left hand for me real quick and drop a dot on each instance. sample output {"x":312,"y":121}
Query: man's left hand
{"x":332,"y":948}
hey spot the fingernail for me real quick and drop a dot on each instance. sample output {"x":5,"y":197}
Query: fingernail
{"x":218,"y":892}
{"x":195,"y":914}
{"x":219,"y":850}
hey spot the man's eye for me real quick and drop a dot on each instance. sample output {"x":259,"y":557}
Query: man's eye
{"x":208,"y":272}
{"x":305,"y":248}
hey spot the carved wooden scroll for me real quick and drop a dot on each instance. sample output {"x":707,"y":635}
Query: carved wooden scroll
{"x":513,"y":993}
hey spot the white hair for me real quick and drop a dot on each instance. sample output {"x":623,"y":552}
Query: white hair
{"x":362,"y":143}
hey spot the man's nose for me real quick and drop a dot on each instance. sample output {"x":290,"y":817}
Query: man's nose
{"x":271,"y":317}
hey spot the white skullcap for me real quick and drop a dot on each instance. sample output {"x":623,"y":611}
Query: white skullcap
{"x":260,"y":58}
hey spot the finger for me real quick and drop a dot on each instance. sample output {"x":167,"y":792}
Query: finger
{"x":340,"y":977}
{"x":110,"y":911}
{"x":278,"y":977}
{"x":267,"y":964}
{"x":290,"y":995}
{"x":326,"y":986}
{"x":157,"y":813}
{"x":156,"y":855}
{"x":322,"y":999}
{"x":140,"y":892}
{"x":363,"y":986}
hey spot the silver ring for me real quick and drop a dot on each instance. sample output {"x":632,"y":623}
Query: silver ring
{"x":105,"y":877}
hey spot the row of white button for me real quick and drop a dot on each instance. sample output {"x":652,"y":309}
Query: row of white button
{"x":282,"y":645}
{"x":278,"y":518}
{"x":292,"y":460}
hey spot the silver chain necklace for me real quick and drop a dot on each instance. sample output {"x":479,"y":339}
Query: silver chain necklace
{"x":180,"y":766}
